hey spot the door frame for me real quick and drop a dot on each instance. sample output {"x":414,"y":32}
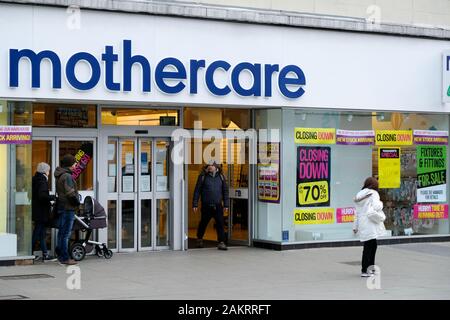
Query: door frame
{"x":67,"y":134}
{"x":249,"y":198}
{"x":143,"y":195}
{"x":175,"y":176}
{"x":83,"y":193}
{"x":161,"y":195}
{"x":126,"y":196}
{"x":113,"y":196}
{"x":53,"y":165}
{"x":251,"y":191}
{"x":154,"y":195}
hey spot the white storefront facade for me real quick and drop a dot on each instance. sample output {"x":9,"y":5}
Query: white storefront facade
{"x":299,"y":81}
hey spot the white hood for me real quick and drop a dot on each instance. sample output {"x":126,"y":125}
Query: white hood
{"x":363,"y":195}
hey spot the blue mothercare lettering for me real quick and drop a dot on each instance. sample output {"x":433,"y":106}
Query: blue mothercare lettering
{"x":171,"y":75}
{"x":128,"y":62}
{"x":225,"y":66}
{"x":72,"y":77}
{"x":35,"y":60}
{"x":298,"y":80}
{"x":109,"y":57}
{"x":255,"y":70}
{"x":161,"y":75}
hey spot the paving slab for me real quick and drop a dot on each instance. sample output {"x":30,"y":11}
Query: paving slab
{"x":408,"y":271}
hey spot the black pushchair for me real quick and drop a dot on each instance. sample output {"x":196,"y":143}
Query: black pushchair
{"x":92,"y":216}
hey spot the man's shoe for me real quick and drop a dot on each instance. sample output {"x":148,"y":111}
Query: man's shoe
{"x":69,"y":262}
{"x":200,"y":243}
{"x":222,"y":246}
{"x":365,"y":275}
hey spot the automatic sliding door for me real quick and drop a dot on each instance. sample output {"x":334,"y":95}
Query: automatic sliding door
{"x":238,"y":170}
{"x":113,"y":193}
{"x":139,"y":199}
{"x":84,"y":152}
{"x":127,"y":194}
{"x":43,"y":150}
{"x":145,"y":194}
{"x":162,"y":192}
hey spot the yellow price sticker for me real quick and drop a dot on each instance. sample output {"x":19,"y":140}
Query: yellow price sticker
{"x":313,"y":192}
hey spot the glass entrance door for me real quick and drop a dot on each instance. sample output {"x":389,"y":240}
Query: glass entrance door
{"x":84,"y":152}
{"x":127,"y":194}
{"x":145,"y":194}
{"x":138,"y":200}
{"x":43,"y":150}
{"x":238,"y":177}
{"x":51,"y":150}
{"x":234,"y":159}
{"x":162,"y":193}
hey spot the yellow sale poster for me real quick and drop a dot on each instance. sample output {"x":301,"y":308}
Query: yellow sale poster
{"x":314,"y":216}
{"x":389,"y":168}
{"x":315,"y":135}
{"x":394,"y":138}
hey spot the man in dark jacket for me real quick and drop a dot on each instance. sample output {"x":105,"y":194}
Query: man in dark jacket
{"x":68,"y":203}
{"x":41,"y":207}
{"x":213,"y":189}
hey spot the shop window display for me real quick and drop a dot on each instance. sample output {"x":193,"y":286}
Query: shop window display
{"x":15,"y":174}
{"x":399,"y":203}
{"x":356,"y":155}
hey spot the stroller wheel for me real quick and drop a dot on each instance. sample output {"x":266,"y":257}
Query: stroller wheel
{"x":108,"y":254}
{"x":98,"y":251}
{"x":77,"y":251}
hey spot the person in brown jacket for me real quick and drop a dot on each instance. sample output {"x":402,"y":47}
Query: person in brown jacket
{"x":68,"y":202}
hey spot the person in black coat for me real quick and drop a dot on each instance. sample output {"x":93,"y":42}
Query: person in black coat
{"x":213,"y":190}
{"x":41,"y":207}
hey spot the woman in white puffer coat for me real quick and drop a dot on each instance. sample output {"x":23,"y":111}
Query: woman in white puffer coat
{"x":368,"y":231}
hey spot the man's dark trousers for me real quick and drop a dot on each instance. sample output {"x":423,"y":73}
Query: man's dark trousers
{"x":208,"y":212}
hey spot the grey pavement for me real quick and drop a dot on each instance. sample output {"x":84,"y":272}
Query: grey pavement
{"x":408,"y":271}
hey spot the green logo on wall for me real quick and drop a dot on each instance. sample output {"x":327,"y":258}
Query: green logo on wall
{"x":448,"y":91}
